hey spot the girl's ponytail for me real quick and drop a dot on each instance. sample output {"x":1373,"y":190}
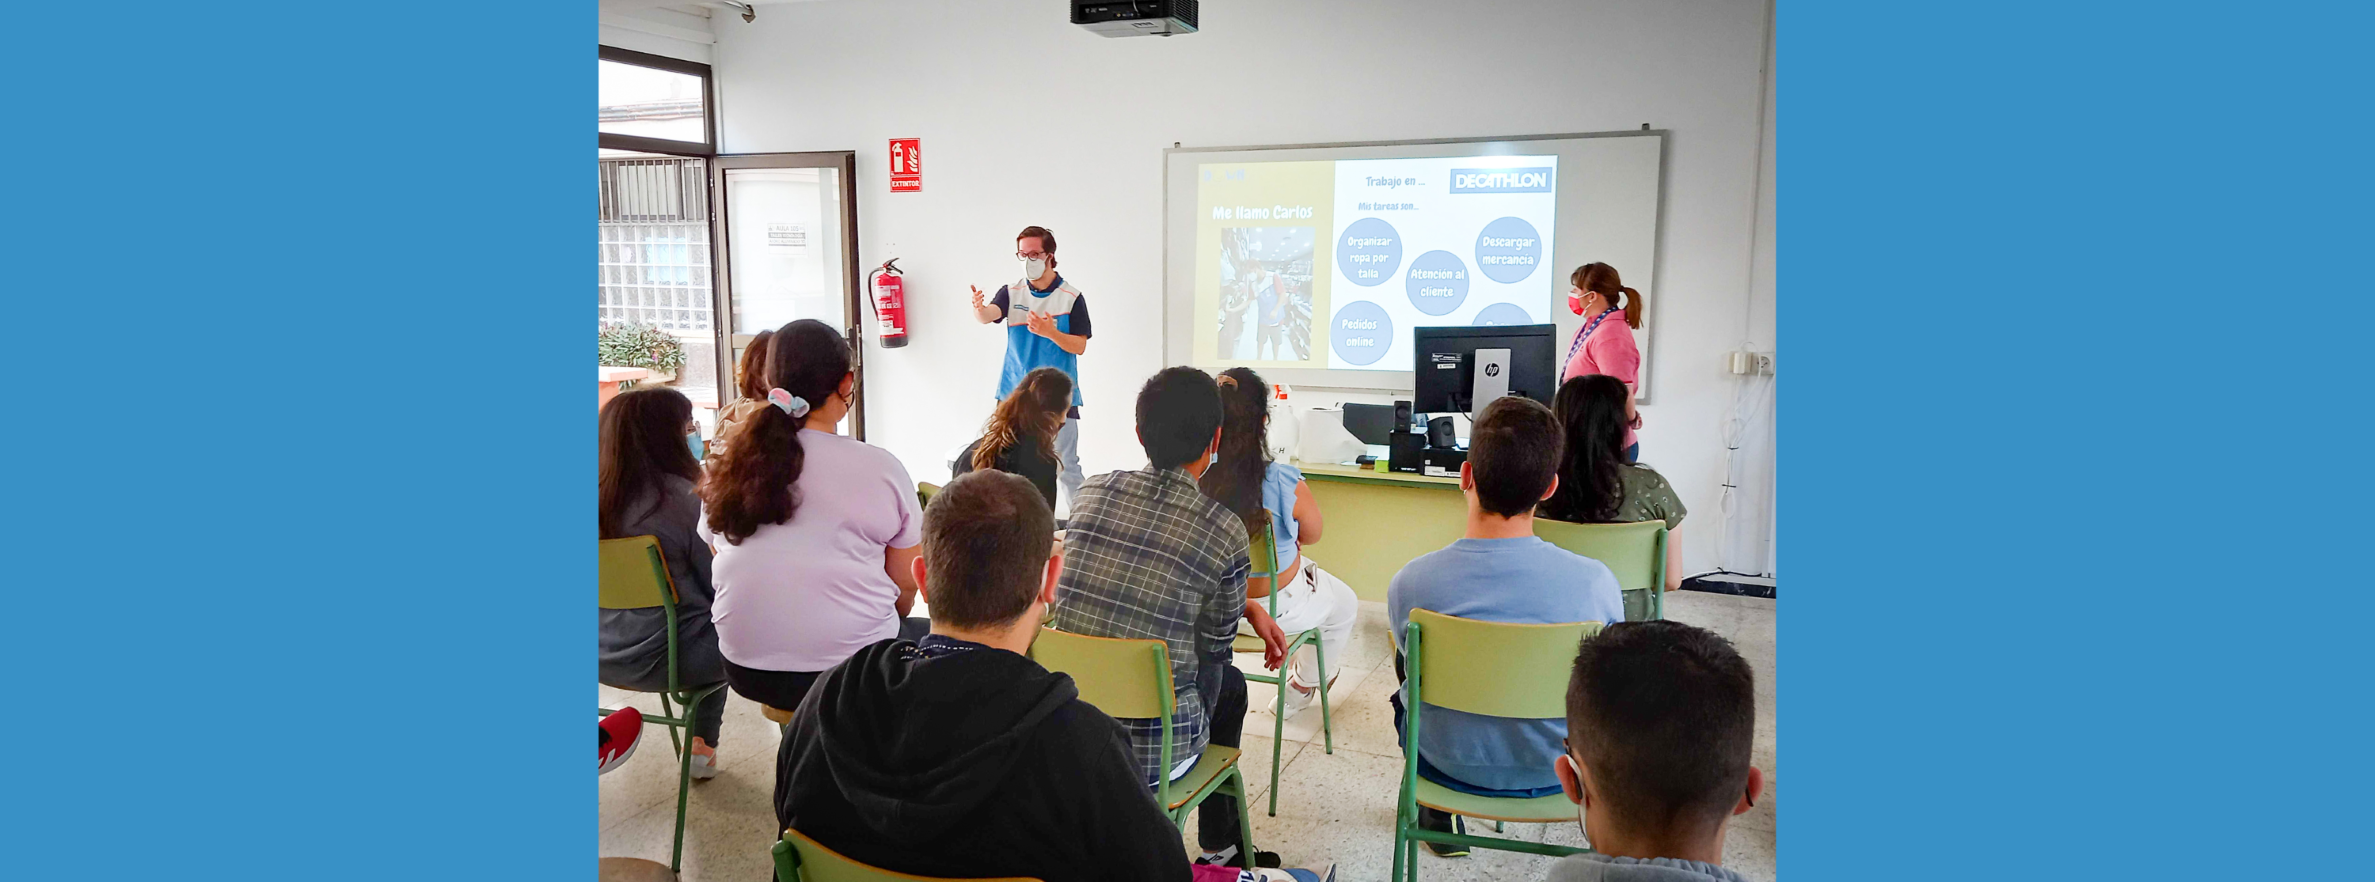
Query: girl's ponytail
{"x":1602,"y":279}
{"x":754,"y":483}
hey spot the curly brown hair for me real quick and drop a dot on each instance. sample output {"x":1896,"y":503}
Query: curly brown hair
{"x":1235,"y":481}
{"x":1030,"y":414}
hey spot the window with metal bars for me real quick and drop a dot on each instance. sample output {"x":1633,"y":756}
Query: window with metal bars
{"x":654,"y":242}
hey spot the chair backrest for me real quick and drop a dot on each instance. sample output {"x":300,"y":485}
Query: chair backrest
{"x":1128,"y":679}
{"x":1635,"y":552}
{"x":801,"y":859}
{"x":1265,"y":566}
{"x":1493,"y":668}
{"x":924,"y":491}
{"x":634,"y":575}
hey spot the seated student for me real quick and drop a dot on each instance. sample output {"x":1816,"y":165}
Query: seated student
{"x":1661,"y":717}
{"x":647,"y":475}
{"x":1597,"y":485}
{"x":957,"y":755}
{"x":750,"y":379}
{"x":1021,"y":434}
{"x":1272,"y":496}
{"x":1499,"y":573}
{"x":1148,"y":555}
{"x":814,"y":532}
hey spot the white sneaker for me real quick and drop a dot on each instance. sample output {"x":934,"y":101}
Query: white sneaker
{"x":1298,"y":696}
{"x":704,"y":767}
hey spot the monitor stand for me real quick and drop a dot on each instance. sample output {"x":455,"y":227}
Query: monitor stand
{"x":1490,"y":380}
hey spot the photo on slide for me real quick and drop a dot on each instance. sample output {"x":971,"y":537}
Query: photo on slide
{"x":1265,"y":293}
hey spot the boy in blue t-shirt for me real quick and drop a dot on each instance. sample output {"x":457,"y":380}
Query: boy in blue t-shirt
{"x":1499,"y":573}
{"x":1047,"y":325}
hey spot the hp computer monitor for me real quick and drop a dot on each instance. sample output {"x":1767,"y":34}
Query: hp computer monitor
{"x":1462,"y":369}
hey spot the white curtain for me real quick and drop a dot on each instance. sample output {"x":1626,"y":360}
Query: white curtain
{"x":1747,"y":546}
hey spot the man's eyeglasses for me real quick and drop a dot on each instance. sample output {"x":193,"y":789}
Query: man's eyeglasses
{"x":1030,"y":255}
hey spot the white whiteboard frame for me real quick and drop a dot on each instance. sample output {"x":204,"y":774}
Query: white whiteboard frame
{"x":1178,"y":304}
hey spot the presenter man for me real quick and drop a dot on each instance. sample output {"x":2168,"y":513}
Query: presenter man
{"x":1047,"y":325}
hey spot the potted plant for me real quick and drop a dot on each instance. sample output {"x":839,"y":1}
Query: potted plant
{"x":643,"y":346}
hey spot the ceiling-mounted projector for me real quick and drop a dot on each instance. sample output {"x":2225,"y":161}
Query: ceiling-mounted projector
{"x":1135,"y":18}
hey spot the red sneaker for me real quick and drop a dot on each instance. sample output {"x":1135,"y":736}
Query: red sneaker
{"x":621,"y":731}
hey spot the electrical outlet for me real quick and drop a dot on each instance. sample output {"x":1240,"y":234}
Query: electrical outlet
{"x":1764,"y":363}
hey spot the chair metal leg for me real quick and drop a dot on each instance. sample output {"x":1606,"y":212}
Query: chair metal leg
{"x":1497,"y":828}
{"x":1327,"y":724}
{"x":1400,"y":839}
{"x":1245,"y":817}
{"x":670,"y":710}
{"x":1277,"y":738}
{"x":684,"y":778}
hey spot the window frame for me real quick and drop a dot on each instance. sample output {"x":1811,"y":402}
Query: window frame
{"x":642,"y":144}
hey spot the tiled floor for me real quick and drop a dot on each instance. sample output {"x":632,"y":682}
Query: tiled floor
{"x":1335,"y":808}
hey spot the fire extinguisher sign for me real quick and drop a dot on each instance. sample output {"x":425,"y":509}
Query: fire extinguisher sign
{"x":907,"y":165}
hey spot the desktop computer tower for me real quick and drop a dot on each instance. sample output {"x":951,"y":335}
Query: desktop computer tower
{"x":1407,"y":452}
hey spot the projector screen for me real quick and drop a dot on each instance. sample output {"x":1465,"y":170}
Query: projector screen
{"x":1311,"y":264}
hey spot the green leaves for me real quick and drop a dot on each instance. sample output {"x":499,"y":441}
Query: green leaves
{"x":640,"y":345}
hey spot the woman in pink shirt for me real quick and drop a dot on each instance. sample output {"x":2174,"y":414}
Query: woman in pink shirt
{"x":1606,"y":347}
{"x":816,"y":533}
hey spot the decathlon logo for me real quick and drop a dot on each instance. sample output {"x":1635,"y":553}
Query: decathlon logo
{"x":1500,"y":180}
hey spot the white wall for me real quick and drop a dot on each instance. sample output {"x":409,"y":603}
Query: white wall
{"x":1026,"y":119}
{"x":629,"y":25}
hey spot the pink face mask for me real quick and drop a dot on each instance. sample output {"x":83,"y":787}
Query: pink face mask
{"x":1574,"y":301}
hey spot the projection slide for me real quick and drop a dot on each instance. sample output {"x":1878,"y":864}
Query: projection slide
{"x":1327,"y":264}
{"x":1316,"y":263}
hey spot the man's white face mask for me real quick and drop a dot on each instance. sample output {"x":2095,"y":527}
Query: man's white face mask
{"x":1034,"y":268}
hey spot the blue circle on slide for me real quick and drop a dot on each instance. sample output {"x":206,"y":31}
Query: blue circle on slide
{"x":1369,"y":252}
{"x":1438,"y":282}
{"x":1500,"y":314}
{"x":1361,"y":332}
{"x":1508,"y":250}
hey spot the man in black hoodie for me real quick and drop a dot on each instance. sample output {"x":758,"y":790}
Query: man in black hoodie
{"x":956,"y":755}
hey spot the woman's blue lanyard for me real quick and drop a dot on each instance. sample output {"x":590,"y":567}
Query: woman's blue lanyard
{"x":1580,"y":335}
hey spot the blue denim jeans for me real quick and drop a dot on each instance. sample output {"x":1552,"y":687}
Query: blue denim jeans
{"x":1428,"y":771}
{"x":1068,"y":457}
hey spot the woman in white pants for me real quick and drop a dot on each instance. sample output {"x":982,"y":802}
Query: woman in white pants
{"x":1272,"y":495}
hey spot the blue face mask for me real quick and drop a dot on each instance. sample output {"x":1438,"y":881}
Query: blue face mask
{"x":693,"y":439}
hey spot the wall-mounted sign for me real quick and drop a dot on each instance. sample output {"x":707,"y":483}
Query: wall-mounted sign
{"x":907,"y":165}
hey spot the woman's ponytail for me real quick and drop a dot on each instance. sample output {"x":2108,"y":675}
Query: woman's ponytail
{"x":1602,"y":279}
{"x":754,"y":483}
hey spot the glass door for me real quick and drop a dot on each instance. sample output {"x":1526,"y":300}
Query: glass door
{"x":786,"y":224}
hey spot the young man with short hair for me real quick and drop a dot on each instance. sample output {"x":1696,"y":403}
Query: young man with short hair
{"x":957,"y":755}
{"x":1500,"y":572}
{"x":1661,"y":717}
{"x":1148,"y":555}
{"x":1047,"y":325}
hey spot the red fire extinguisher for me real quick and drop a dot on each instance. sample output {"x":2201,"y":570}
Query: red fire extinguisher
{"x":890,"y":303}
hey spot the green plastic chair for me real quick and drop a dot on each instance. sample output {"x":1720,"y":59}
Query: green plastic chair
{"x":1635,"y":552}
{"x":924,"y":491}
{"x":634,"y":576}
{"x":801,"y":859}
{"x":1488,"y":668}
{"x":1131,"y":679}
{"x":1247,"y":641}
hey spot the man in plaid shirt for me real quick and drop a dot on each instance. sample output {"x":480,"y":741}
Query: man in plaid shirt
{"x":1148,"y":555}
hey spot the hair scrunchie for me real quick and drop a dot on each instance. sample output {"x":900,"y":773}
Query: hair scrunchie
{"x":791,"y":404}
